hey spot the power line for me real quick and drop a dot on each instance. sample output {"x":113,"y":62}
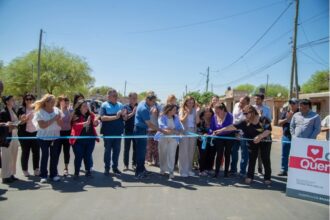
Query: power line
{"x":259,"y":39}
{"x":259,"y":70}
{"x":312,"y":49}
{"x":310,"y":19}
{"x":206,"y":21}
{"x":313,"y":59}
{"x":274,"y":61}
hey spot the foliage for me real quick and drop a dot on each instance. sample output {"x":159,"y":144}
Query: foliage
{"x":318,"y":82}
{"x":246,"y":87}
{"x":202,"y":98}
{"x":274,"y":90}
{"x":61,"y":73}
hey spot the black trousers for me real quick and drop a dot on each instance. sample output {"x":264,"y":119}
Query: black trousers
{"x":127,"y":148}
{"x":264,"y":148}
{"x":223,"y":149}
{"x":206,"y":156}
{"x":28,"y":145}
{"x":64,"y":143}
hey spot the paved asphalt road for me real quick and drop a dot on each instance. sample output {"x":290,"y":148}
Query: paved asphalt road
{"x":122,"y":197}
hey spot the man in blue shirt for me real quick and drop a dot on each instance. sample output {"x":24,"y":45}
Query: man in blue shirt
{"x":112,"y":114}
{"x":142,"y":123}
{"x":306,"y":123}
{"x":264,"y":110}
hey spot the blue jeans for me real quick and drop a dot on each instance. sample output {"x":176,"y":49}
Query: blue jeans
{"x":83,"y":149}
{"x":52,"y":149}
{"x":114,"y":146}
{"x":285,"y":153}
{"x":141,"y":148}
{"x":244,"y":157}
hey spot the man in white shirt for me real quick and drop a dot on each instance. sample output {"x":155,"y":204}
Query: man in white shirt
{"x":238,"y":117}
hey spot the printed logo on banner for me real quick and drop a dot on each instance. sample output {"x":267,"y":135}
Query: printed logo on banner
{"x":315,"y":152}
{"x":314,"y":161}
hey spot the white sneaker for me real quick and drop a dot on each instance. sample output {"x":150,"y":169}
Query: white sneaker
{"x":171,"y":176}
{"x":56,"y":178}
{"x":192,"y":174}
{"x":43,"y":180}
{"x":26,"y":173}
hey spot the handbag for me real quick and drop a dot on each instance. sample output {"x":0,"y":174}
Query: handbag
{"x":4,"y":133}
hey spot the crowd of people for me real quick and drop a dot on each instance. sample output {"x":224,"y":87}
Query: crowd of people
{"x":51,"y":126}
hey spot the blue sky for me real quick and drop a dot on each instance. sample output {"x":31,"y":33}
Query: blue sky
{"x":138,"y":41}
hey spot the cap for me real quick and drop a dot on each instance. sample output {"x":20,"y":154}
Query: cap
{"x":6,"y":98}
{"x":293,"y":101}
{"x":305,"y":102}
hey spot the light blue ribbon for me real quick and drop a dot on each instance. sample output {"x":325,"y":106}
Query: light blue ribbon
{"x":187,"y":135}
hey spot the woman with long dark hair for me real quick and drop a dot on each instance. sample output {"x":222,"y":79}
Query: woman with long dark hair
{"x":258,"y":128}
{"x":10,"y":151}
{"x":222,"y":118}
{"x":83,"y":124}
{"x":27,"y":129}
{"x":206,"y":153}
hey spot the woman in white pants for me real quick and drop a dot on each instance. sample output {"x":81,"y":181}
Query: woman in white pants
{"x":9,"y":153}
{"x":170,"y":124}
{"x":189,"y":119}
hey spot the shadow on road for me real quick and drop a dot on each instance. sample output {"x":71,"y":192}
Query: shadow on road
{"x":98,"y":180}
{"x":2,"y":192}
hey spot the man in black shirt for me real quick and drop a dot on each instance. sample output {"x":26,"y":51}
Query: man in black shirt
{"x":285,"y":119}
{"x":129,"y":128}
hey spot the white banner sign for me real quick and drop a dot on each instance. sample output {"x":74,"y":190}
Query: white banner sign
{"x":309,"y":169}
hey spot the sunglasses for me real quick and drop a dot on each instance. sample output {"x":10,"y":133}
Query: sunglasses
{"x":66,"y":100}
{"x":246,"y":113}
{"x":29,"y":99}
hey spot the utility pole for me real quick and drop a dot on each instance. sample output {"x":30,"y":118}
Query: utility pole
{"x":39,"y":56}
{"x":296,"y":79}
{"x":125,"y":88}
{"x":186,"y":89}
{"x":294,"y":53}
{"x":207,"y":79}
{"x":267,"y":84}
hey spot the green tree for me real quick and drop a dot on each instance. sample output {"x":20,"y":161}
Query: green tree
{"x":246,"y":87}
{"x":318,"y":82}
{"x":201,"y":98}
{"x":61,"y":73}
{"x":274,"y":90}
{"x":101,"y":90}
{"x":142,"y":96}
